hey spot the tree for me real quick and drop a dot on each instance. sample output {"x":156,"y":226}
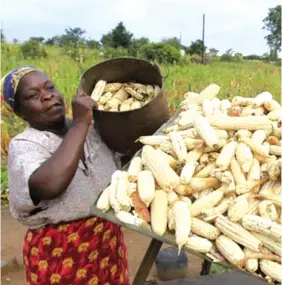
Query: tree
{"x":136,"y":45}
{"x":213,"y":51}
{"x":173,"y":41}
{"x":15,"y":41}
{"x":32,"y":49}
{"x":39,"y":39}
{"x":92,"y":44}
{"x":272,"y":23}
{"x":72,"y":37}
{"x":196,"y":47}
{"x":119,"y":37}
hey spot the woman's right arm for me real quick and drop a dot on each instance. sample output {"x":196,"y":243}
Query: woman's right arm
{"x":53,"y":177}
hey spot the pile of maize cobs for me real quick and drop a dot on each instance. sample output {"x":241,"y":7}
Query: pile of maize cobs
{"x":120,"y":97}
{"x":213,"y":180}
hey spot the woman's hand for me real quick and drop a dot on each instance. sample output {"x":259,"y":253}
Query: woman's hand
{"x":82,"y":108}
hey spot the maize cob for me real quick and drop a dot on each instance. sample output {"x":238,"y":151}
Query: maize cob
{"x":159,"y":210}
{"x":254,"y":173}
{"x":197,"y":184}
{"x":128,"y":218}
{"x":185,"y":123}
{"x":242,"y":101}
{"x":212,"y":213}
{"x":207,"y":107}
{"x":263,"y":226}
{"x":132,"y":189}
{"x":173,"y":163}
{"x":234,"y":111}
{"x":190,"y":133}
{"x":253,"y":207}
{"x":153,"y":140}
{"x":259,"y":136}
{"x":267,"y":210}
{"x":255,"y":147}
{"x":113,"y":87}
{"x":226,"y":155}
{"x":244,"y":156}
{"x":271,"y":269}
{"x":230,"y":250}
{"x":170,"y":219}
{"x":199,"y":195}
{"x":276,"y":199}
{"x":135,"y":167}
{"x":237,"y":173}
{"x":275,"y":150}
{"x":188,"y":172}
{"x":146,"y":186}
{"x":238,"y":210}
{"x":209,"y":92}
{"x":185,"y":199}
{"x":222,"y":134}
{"x":125,"y":106}
{"x":98,"y":90}
{"x":225,"y":105}
{"x":276,"y":132}
{"x":206,"y":132}
{"x":113,"y":190}
{"x":136,"y":105}
{"x":149,"y":89}
{"x":251,"y":263}
{"x":204,"y":229}
{"x":206,"y":202}
{"x":198,"y":244}
{"x":237,"y":233}
{"x":222,"y":142}
{"x":103,"y":203}
{"x":140,"y":208}
{"x":105,"y":98}
{"x":178,"y":145}
{"x":192,"y":143}
{"x":248,"y":186}
{"x":121,"y":95}
{"x":269,"y":243}
{"x":183,"y":190}
{"x":134,"y":93}
{"x":275,"y":115}
{"x":243,"y":133}
{"x":163,"y":173}
{"x":271,"y":105}
{"x":262,"y":97}
{"x":172,"y":198}
{"x":206,"y":171}
{"x":167,"y":148}
{"x":122,"y":191}
{"x":157,"y":90}
{"x":182,"y":218}
{"x":250,"y":123}
{"x":195,"y":154}
{"x":272,"y":140}
{"x":113,"y":103}
{"x":263,"y":255}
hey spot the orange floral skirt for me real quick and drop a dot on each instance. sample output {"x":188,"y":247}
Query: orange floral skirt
{"x":85,"y":252}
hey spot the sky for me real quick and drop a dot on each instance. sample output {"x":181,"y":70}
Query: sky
{"x":229,"y":24}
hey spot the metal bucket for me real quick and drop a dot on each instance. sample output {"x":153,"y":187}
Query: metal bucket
{"x":119,"y":130}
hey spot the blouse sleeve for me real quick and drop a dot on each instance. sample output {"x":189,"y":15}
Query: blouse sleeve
{"x":24,"y":158}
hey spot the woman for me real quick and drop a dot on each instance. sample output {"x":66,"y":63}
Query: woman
{"x":56,"y":170}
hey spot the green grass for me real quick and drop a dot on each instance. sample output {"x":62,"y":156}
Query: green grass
{"x":245,"y":79}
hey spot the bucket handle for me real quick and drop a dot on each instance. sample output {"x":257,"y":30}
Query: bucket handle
{"x":158,"y":69}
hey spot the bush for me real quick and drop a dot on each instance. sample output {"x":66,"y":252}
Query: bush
{"x":198,"y":59}
{"x":110,"y":53}
{"x":161,"y":52}
{"x":32,"y":49}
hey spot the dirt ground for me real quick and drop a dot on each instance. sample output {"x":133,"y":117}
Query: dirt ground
{"x":12,"y":235}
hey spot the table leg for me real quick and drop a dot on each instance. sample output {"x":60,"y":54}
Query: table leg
{"x":147,"y":262}
{"x":206,"y":267}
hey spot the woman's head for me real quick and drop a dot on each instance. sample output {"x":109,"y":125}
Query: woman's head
{"x":33,"y":97}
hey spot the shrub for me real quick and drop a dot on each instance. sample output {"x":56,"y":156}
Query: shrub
{"x":32,"y":49}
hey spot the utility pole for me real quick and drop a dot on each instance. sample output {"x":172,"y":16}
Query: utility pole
{"x":203,"y":39}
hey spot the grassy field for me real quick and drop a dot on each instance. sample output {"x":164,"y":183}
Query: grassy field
{"x":245,"y":79}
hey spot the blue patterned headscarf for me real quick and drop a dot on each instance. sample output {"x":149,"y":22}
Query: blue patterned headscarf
{"x":10,"y":82}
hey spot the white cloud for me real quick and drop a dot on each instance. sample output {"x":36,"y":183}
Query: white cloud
{"x":229,"y":24}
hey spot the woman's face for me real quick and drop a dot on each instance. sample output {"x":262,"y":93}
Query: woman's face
{"x":41,"y":104}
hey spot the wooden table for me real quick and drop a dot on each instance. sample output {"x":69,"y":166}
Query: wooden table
{"x":157,"y":241}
